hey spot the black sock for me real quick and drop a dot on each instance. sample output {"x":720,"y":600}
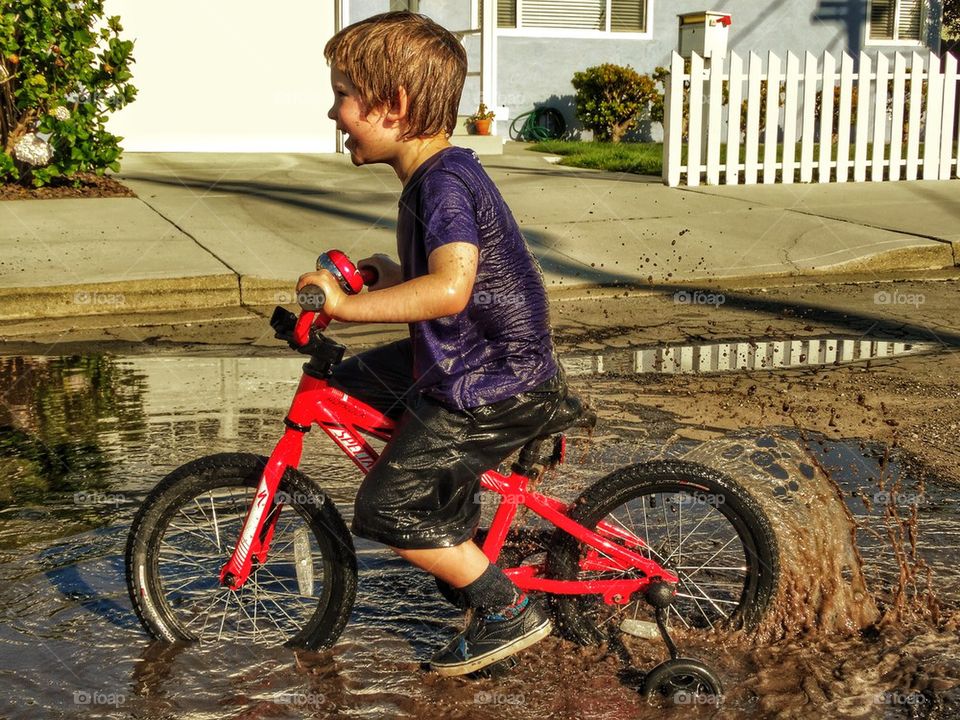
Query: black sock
{"x":492,"y":591}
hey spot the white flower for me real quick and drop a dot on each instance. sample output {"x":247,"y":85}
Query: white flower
{"x":32,"y":150}
{"x":60,"y":113}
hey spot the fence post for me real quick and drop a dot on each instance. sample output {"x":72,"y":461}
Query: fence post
{"x":772,"y":115}
{"x":695,"y":128}
{"x":753,"y":121}
{"x":826,"y":118}
{"x":843,"y":118}
{"x":733,"y":119}
{"x":791,"y":85}
{"x":809,"y":104}
{"x":879,"y":119}
{"x":946,"y":125}
{"x":931,"y":135}
{"x":673,"y":122}
{"x":896,"y":123}
{"x":714,"y":120}
{"x":863,"y":118}
{"x":913,"y":130}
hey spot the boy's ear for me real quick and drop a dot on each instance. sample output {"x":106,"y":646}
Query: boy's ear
{"x":400,"y":106}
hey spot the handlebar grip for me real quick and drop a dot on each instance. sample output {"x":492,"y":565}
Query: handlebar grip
{"x":311,"y":298}
{"x":369,"y":274}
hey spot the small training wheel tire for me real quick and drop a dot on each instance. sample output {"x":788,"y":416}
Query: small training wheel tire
{"x":683,"y":675}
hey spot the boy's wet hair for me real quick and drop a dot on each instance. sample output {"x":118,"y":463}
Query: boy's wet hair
{"x":384,"y":52}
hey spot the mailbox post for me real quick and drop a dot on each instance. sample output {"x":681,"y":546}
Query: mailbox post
{"x":704,"y":33}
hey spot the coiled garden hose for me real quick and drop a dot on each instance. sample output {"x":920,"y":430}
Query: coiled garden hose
{"x":543,"y":123}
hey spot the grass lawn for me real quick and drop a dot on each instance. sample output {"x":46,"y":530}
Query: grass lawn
{"x":640,"y":158}
{"x":647,"y":158}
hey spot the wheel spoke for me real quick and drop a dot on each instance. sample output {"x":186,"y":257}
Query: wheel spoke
{"x":706,"y":546}
{"x":192,"y":548}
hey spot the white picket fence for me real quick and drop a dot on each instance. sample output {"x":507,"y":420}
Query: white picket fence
{"x":870,"y":122}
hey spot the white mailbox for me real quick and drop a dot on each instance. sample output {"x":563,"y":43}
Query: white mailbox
{"x":704,"y":33}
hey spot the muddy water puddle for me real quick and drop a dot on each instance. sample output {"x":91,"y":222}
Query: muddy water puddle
{"x":83,"y":439}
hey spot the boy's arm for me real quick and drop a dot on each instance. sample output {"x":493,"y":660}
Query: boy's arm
{"x":444,"y":290}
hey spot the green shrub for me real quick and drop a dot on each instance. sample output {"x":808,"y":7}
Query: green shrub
{"x":611,"y":98}
{"x":63,"y":69}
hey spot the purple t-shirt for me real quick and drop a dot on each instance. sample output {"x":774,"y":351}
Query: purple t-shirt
{"x":499,"y":345}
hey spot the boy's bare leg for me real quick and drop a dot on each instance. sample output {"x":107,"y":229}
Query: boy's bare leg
{"x":458,"y":566}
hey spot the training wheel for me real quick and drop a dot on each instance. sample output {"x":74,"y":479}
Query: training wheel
{"x":684,"y":680}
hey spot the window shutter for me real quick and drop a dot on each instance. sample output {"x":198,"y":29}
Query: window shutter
{"x":910,"y":20}
{"x":575,"y":14}
{"x":506,"y":13}
{"x":881,"y":19}
{"x":628,"y":15}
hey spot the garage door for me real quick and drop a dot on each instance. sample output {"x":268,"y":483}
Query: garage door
{"x":219,"y":76}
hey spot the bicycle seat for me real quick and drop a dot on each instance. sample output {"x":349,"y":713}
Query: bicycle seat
{"x":570,"y":412}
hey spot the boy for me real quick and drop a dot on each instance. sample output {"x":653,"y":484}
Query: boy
{"x":478,"y":377}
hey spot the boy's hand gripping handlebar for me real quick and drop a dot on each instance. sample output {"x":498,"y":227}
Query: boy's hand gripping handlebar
{"x":311,"y":298}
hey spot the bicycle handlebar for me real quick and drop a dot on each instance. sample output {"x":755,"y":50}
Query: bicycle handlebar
{"x":311,"y":298}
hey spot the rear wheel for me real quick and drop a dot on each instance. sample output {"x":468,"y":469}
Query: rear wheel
{"x":696,"y":522}
{"x":185,"y":532}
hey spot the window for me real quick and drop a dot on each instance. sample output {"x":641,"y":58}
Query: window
{"x":896,"y":20}
{"x":591,"y":16}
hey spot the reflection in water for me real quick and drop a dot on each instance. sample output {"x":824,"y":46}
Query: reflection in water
{"x":111,"y":428}
{"x":757,"y":354}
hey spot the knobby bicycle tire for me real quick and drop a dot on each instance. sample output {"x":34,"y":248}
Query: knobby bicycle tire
{"x":579,"y":616}
{"x":314,"y":514}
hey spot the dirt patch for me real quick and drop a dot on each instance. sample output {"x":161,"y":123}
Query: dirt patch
{"x":81,"y":185}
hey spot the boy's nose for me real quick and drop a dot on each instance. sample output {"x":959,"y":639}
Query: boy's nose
{"x":331,"y":114}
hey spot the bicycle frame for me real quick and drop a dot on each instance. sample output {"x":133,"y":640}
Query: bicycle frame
{"x":346,"y":419}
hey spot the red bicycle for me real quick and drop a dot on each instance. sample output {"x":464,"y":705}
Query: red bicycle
{"x":245,"y":548}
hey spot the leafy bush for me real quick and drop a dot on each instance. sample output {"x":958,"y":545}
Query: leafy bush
{"x":611,"y":98}
{"x":63,"y":69}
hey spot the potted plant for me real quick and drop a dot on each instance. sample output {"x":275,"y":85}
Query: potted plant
{"x":481,"y":120}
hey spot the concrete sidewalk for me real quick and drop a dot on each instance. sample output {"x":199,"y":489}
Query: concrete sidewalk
{"x":225,"y":230}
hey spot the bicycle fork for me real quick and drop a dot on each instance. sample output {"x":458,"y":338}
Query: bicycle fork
{"x":258,"y":528}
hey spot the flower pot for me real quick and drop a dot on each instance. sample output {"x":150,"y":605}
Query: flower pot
{"x":482,"y":127}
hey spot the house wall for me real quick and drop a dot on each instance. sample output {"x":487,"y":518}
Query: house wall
{"x":536,"y":71}
{"x":225,"y":76}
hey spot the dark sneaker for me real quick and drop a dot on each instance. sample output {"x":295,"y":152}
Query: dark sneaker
{"x":491,"y":638}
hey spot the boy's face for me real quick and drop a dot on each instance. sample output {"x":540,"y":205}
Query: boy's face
{"x":367,"y":139}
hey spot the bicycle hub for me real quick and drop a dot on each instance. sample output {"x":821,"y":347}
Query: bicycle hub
{"x":660,"y":594}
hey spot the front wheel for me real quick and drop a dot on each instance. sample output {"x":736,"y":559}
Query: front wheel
{"x":696,"y":522}
{"x":185,"y":532}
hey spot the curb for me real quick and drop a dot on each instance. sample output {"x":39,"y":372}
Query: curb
{"x":128,"y":296}
{"x":227,"y":290}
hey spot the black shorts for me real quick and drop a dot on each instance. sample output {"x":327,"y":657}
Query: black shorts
{"x":423,"y":491}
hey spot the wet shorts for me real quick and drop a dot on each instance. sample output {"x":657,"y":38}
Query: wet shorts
{"x":422,"y":492}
